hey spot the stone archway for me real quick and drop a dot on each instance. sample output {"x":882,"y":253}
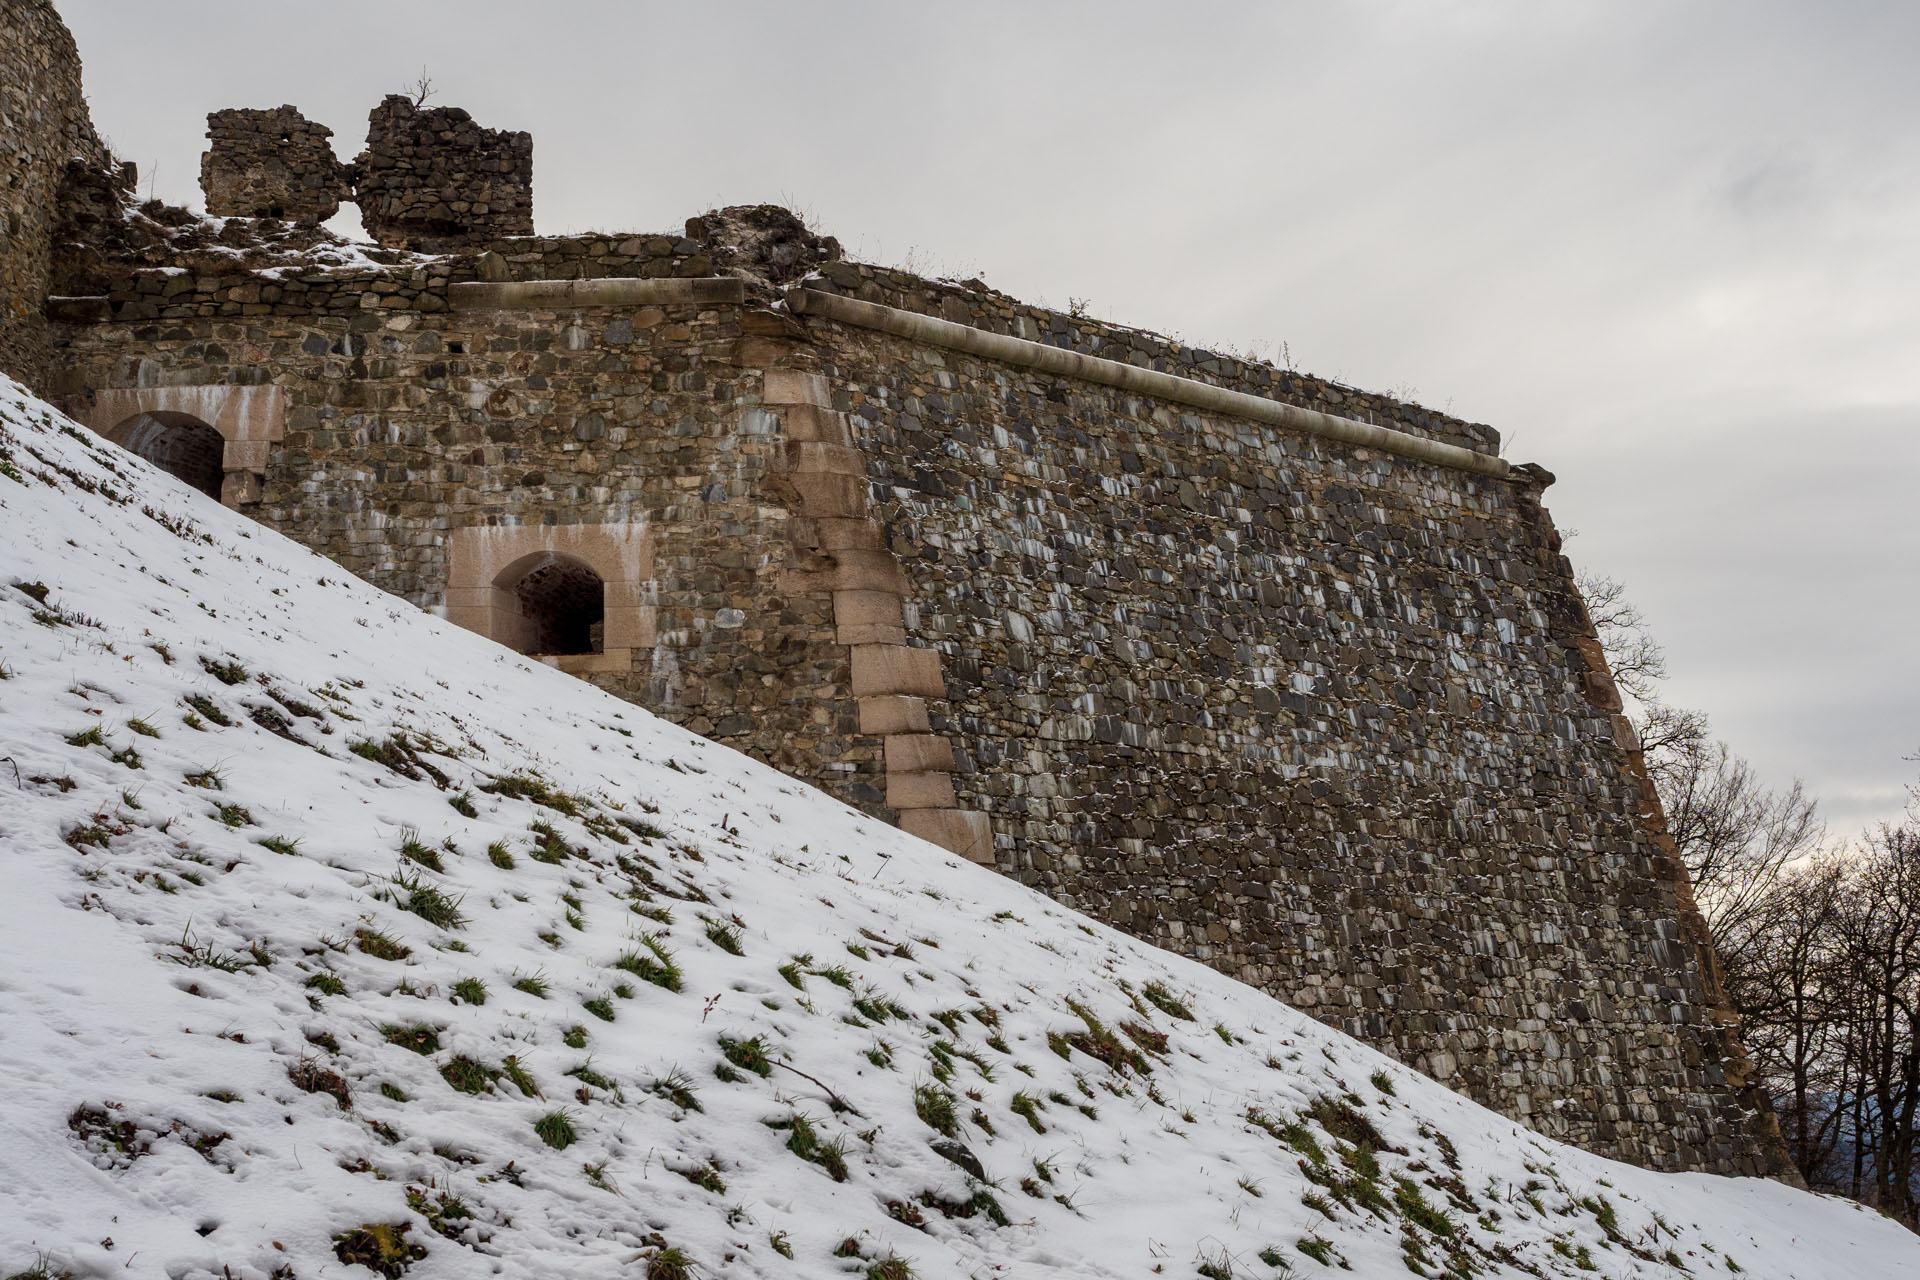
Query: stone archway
{"x":573,"y":596}
{"x":180,"y":445}
{"x":561,"y":605}
{"x":247,"y":419}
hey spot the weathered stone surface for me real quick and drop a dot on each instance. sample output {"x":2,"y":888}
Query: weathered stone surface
{"x":433,"y":180}
{"x":272,"y":163}
{"x":43,"y":125}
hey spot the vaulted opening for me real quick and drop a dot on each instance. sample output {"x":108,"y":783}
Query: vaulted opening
{"x":180,"y":445}
{"x":560,"y":604}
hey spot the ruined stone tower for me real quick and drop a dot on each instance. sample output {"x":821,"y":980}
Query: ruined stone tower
{"x":1275,"y":673}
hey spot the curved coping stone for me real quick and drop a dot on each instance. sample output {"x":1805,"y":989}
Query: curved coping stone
{"x":1165,"y":386}
{"x":547,"y":295}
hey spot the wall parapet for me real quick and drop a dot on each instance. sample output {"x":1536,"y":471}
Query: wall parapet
{"x":973,"y":303}
{"x":1065,"y":363}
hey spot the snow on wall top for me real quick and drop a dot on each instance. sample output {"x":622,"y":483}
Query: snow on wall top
{"x":339,"y":936}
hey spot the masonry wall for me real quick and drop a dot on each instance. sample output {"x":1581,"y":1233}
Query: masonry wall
{"x":409,"y":420}
{"x":43,"y":124}
{"x":1315,"y":716}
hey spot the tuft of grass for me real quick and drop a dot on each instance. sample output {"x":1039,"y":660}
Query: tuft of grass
{"x":585,"y":1074}
{"x":463,"y":805}
{"x":556,"y":1129}
{"x":279,"y":844}
{"x":522,"y":1079}
{"x":723,"y":935}
{"x":574,"y":1037}
{"x":310,"y":1075}
{"x":92,"y":736}
{"x":705,"y":1176}
{"x":1415,"y":1208}
{"x":1216,"y":1266}
{"x":669,"y":1263}
{"x":1166,"y":1002}
{"x":534,"y":985}
{"x":526,"y":786}
{"x":381,"y":946}
{"x":892,"y":1267}
{"x":500,"y":856}
{"x":600,"y":1007}
{"x":415,"y":850}
{"x":653,"y":963}
{"x":934,"y":1106}
{"x":207,"y":708}
{"x":677,"y":1087}
{"x":804,"y":1141}
{"x":140,"y":725}
{"x":234,"y":815}
{"x":326,"y":984}
{"x":470,"y":991}
{"x":1027,"y":1107}
{"x":227,"y":673}
{"x":549,"y":846}
{"x":1383,"y":1082}
{"x":418,"y":1037}
{"x":207,"y":780}
{"x":381,"y":1247}
{"x":469,"y":1075}
{"x":410,"y":892}
{"x":1099,"y":1043}
{"x":795,"y":972}
{"x":1321,"y":1251}
{"x":748,"y":1055}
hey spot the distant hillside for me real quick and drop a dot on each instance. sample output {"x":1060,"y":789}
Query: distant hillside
{"x":338,"y":935}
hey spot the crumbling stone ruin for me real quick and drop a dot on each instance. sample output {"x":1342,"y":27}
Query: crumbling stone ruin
{"x":430,"y":180}
{"x":434,"y":181}
{"x":1287,"y":677}
{"x":271,"y":164}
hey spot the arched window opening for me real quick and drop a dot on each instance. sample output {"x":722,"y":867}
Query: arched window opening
{"x":180,"y":445}
{"x":561,"y":604}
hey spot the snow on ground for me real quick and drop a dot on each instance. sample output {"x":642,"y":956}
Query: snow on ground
{"x":335,"y":936}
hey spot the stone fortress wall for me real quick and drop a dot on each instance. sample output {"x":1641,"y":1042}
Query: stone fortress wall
{"x":43,"y":124}
{"x":1286,"y":677}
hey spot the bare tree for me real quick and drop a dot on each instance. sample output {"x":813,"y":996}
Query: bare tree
{"x":1734,"y":833}
{"x":420,"y":90}
{"x":1639,"y":663}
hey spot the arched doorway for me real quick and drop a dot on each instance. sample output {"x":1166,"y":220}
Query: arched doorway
{"x":180,"y":445}
{"x":560,"y":601}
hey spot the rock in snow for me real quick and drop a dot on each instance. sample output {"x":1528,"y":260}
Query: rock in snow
{"x":336,"y":937}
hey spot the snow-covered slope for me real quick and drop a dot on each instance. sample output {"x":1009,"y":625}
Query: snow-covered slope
{"x":334,"y":934}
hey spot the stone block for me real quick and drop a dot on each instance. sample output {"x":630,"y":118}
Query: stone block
{"x":868,"y":617}
{"x":918,"y":753}
{"x":245,"y":455}
{"x":960,"y":831}
{"x":896,"y":668}
{"x":818,"y":457}
{"x":829,"y":496}
{"x":920,"y":791}
{"x":792,"y":386}
{"x":893,"y":713}
{"x":811,"y":422}
{"x":848,"y":534}
{"x":849,"y":571}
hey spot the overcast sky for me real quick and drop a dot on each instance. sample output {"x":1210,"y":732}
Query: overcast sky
{"x":1670,"y":250}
